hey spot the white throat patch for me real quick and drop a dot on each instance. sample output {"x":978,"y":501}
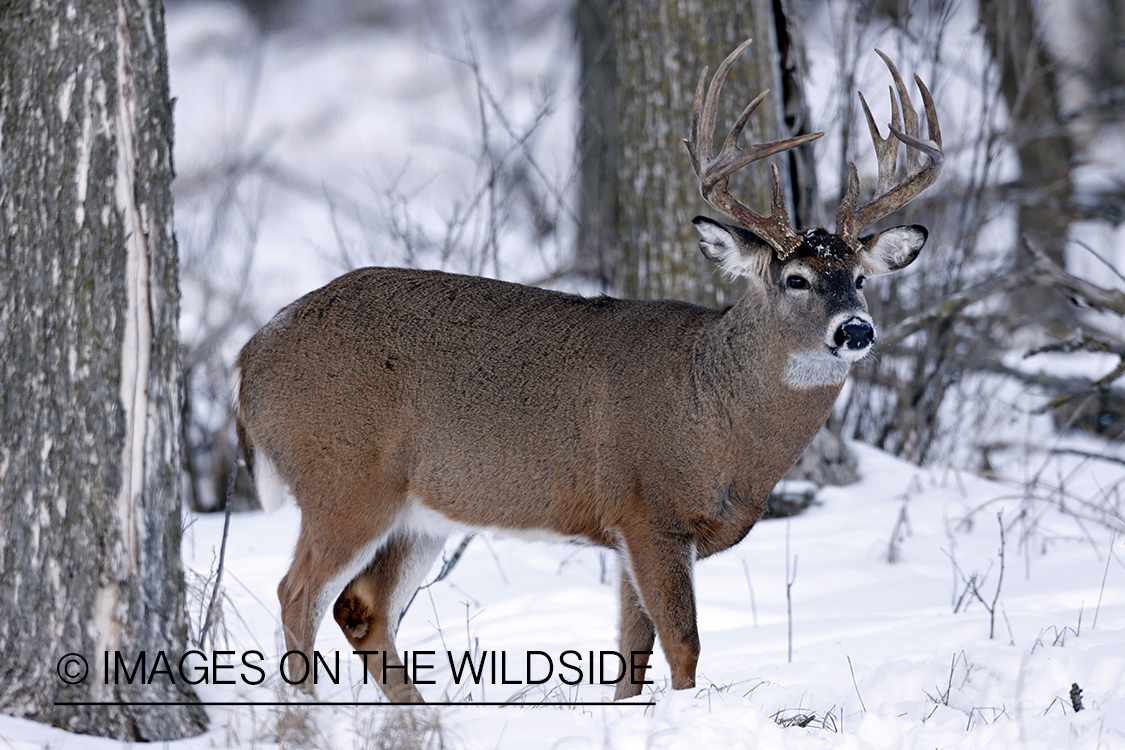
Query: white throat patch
{"x":804,"y":370}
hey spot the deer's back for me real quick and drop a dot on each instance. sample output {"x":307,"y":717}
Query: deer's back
{"x":471,"y":393}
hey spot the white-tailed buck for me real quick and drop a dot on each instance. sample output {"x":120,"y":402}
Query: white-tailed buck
{"x":399,"y":406}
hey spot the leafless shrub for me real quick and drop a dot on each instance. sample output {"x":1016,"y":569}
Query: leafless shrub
{"x":936,"y":372}
{"x":400,"y":729}
{"x":510,"y":192}
{"x":806,"y":719}
{"x":219,"y":213}
{"x":898,"y":534}
{"x":789,"y":581}
{"x":975,"y":581}
{"x":941,"y":697}
{"x":199,"y":590}
{"x":987,"y":714}
{"x":1051,"y":506}
{"x":855,"y":684}
{"x":1059,"y":639}
{"x":296,"y":726}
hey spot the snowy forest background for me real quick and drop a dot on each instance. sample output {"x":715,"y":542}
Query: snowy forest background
{"x":312,"y":141}
{"x":950,"y":594}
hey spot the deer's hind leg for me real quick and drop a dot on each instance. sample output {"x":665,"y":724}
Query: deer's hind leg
{"x":320,"y":570}
{"x":368,"y":610}
{"x":338,"y":539}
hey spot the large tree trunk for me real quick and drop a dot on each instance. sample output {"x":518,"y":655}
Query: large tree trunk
{"x":641,"y":62}
{"x":599,"y":146}
{"x":89,"y":453}
{"x":1044,"y":195}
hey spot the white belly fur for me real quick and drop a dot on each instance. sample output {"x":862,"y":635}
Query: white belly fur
{"x":421,"y":518}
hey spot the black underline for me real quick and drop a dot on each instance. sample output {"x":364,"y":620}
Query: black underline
{"x":348,"y":703}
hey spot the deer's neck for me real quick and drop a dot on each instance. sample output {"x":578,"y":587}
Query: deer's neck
{"x":762,"y":395}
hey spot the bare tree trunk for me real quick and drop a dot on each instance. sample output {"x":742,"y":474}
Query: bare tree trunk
{"x":90,"y":453}
{"x":1044,"y":193}
{"x":599,"y":144}
{"x":641,"y":62}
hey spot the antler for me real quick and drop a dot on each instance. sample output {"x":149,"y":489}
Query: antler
{"x":850,"y":221}
{"x":714,"y":170}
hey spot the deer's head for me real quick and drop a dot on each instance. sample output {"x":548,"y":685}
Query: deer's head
{"x":811,"y":281}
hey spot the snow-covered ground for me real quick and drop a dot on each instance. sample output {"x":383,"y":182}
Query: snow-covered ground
{"x":888,"y":649}
{"x":880,"y":659}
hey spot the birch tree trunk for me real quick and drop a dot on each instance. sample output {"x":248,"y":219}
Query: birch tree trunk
{"x":89,"y":452}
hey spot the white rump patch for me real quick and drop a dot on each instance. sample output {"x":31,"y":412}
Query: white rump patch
{"x":419,"y":518}
{"x":805,"y":370}
{"x":272,"y":489}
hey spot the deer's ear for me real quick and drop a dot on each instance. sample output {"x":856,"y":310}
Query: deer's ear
{"x":734,"y":250}
{"x":892,"y":249}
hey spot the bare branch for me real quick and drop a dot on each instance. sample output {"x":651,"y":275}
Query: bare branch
{"x":1044,"y":272}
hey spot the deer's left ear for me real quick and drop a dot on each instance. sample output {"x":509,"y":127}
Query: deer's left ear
{"x":892,"y":249}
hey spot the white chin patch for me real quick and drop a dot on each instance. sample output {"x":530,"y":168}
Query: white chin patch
{"x":806,"y":370}
{"x":850,"y":355}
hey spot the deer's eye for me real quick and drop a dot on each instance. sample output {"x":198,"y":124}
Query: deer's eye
{"x":797,"y":282}
{"x":859,"y":281}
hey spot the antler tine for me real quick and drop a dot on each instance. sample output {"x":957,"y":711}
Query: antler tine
{"x":888,"y":197}
{"x":845,"y":215}
{"x":711,"y":107}
{"x":933,"y":127}
{"x":714,"y":170}
{"x":909,"y":115}
{"x":886,"y":149}
{"x":696,"y":114}
{"x":931,"y":147}
{"x":741,"y":157}
{"x":705,"y":108}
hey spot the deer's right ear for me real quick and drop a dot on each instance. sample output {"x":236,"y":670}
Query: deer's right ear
{"x":735,"y":251}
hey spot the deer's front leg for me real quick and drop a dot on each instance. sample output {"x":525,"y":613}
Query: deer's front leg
{"x":636,"y":634}
{"x":660,"y":564}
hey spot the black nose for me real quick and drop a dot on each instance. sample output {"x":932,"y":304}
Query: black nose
{"x":855,"y":334}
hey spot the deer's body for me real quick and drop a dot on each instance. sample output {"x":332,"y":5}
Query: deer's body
{"x":399,"y":405}
{"x":503,"y":406}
